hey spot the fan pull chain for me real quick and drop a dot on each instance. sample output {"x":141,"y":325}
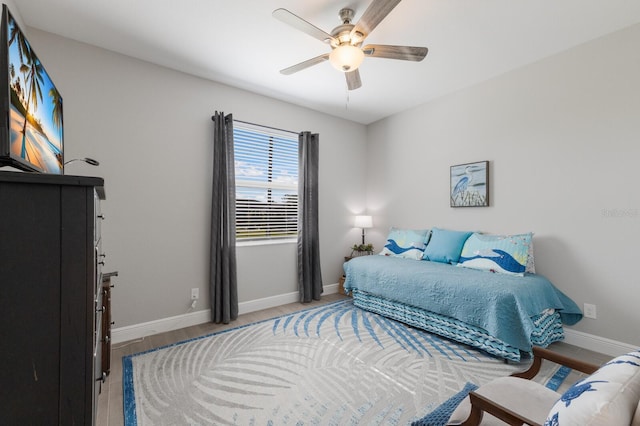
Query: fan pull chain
{"x":346,"y":104}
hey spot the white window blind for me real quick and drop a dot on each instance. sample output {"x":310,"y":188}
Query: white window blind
{"x":266,"y":166}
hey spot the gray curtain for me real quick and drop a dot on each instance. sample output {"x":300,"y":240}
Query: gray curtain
{"x":223,"y":285}
{"x":309,"y":275}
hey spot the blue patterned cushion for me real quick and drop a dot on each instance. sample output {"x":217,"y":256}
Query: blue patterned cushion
{"x":445,"y":246}
{"x":497,"y":253}
{"x":607,"y":397}
{"x":407,"y":243}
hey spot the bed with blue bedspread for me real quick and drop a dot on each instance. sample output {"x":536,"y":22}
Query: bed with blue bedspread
{"x":501,"y":314}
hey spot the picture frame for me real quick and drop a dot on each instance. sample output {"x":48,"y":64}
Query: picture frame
{"x":469,"y":184}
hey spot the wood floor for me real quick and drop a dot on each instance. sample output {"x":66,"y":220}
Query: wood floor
{"x":110,"y":400}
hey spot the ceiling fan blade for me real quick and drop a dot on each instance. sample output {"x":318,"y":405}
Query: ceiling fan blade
{"x":371,"y":17}
{"x":353,"y":79}
{"x":300,"y":24}
{"x":405,"y":53}
{"x":306,"y":64}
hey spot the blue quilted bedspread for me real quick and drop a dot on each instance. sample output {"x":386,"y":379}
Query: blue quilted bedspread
{"x":499,"y":303}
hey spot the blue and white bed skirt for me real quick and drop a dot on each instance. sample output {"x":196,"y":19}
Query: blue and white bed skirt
{"x":548,"y":325}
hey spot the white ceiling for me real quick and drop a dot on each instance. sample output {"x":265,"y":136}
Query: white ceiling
{"x":239,"y":43}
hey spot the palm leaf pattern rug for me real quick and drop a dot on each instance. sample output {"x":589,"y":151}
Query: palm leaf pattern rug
{"x":335,"y":364}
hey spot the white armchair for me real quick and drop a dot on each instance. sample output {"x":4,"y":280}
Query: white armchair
{"x":610,"y":395}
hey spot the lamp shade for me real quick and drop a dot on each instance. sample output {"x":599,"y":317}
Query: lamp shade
{"x":346,"y":57}
{"x":363,"y":222}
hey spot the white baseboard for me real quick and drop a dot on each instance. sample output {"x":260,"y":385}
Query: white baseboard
{"x":267,"y":302}
{"x":137,"y":331}
{"x":597,"y":343}
{"x":279,"y":300}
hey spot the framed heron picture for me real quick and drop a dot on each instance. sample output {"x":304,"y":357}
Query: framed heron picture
{"x":470,"y":185}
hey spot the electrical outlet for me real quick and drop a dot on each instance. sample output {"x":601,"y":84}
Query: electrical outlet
{"x":195,"y":293}
{"x":589,"y":311}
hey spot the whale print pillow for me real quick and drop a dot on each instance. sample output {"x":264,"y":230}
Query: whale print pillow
{"x":407,"y":243}
{"x":607,"y":397}
{"x":507,"y":254}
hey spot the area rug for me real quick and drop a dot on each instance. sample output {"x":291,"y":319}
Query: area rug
{"x":334,"y":364}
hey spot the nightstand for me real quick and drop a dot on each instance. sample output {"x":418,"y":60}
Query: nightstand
{"x":343,"y":277}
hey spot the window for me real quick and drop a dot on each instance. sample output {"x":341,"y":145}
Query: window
{"x":266,"y":167}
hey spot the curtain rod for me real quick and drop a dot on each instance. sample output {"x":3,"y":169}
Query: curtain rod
{"x":266,"y":127}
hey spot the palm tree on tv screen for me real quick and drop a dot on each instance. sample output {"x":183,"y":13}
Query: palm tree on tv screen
{"x":56,"y":113}
{"x":33,"y":80}
{"x":17,"y":37}
{"x":32,"y":71}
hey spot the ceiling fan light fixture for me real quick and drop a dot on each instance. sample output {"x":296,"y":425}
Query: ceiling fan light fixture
{"x":346,"y":40}
{"x":346,"y":58}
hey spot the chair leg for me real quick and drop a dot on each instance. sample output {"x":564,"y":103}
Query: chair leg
{"x":475,"y":417}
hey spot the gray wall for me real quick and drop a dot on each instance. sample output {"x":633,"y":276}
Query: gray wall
{"x":151,"y":130}
{"x":562,"y":138}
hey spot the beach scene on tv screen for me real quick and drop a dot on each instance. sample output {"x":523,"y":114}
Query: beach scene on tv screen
{"x":35,"y":114}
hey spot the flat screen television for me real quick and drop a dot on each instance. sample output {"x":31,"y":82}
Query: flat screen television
{"x":31,"y":127}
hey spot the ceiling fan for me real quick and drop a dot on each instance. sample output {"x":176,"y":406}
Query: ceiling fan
{"x":346,"y":41}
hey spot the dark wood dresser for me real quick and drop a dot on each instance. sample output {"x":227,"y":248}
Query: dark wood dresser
{"x":50,"y":298}
{"x":107,"y":285}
